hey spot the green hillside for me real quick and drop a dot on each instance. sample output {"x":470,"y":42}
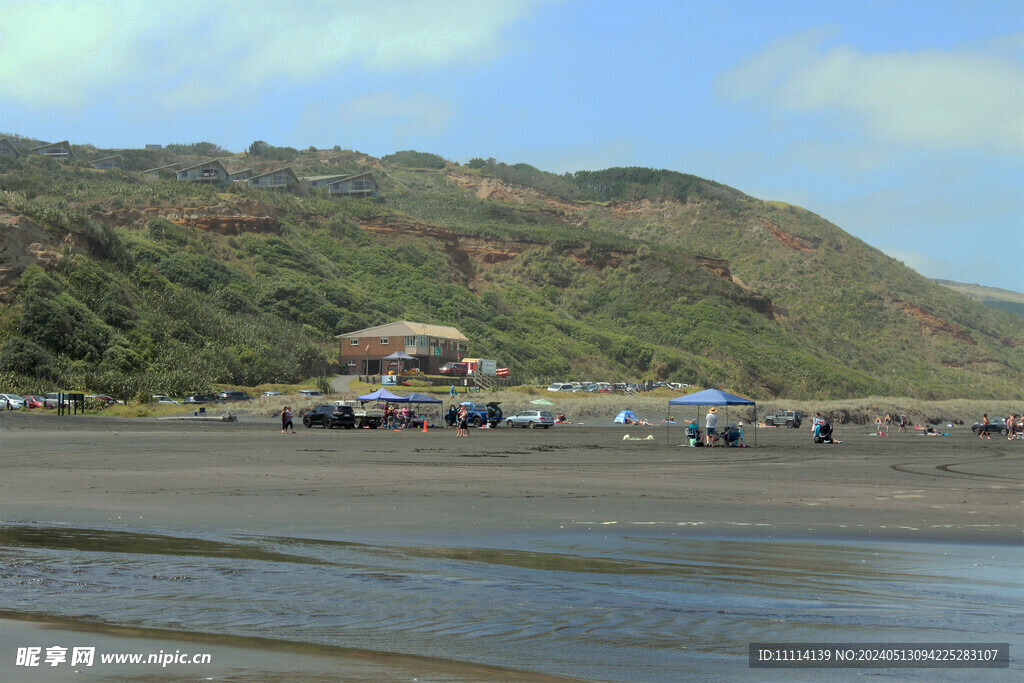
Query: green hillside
{"x":126,"y":282}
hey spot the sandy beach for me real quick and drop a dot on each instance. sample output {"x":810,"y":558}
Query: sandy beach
{"x":249,"y":477}
{"x":389,"y":555}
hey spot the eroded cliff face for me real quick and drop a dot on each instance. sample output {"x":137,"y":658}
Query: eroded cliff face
{"x":224,"y":218}
{"x":23,"y":243}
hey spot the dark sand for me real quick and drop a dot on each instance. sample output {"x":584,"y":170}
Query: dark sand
{"x":433,"y":487}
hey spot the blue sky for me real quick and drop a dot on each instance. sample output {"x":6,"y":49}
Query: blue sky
{"x":900,"y":122}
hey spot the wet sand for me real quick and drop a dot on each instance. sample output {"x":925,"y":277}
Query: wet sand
{"x":435,"y":488}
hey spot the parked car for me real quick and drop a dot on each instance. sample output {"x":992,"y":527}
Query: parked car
{"x":270,"y":394}
{"x":233,"y":396}
{"x":11,"y":402}
{"x":560,"y":386}
{"x":789,"y":418}
{"x":454,"y":369}
{"x":330,"y":416}
{"x":160,"y":398}
{"x":310,"y":392}
{"x":531,"y":419}
{"x":32,"y":401}
{"x":103,"y":398}
{"x":479,"y":414}
{"x":996,"y":425}
{"x":198,"y":398}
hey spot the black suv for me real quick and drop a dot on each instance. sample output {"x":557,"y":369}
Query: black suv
{"x":233,"y":396}
{"x":330,"y":417}
{"x":789,"y":418}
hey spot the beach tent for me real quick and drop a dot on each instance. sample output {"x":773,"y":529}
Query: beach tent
{"x":714,"y":397}
{"x":400,"y":356}
{"x":422,"y":398}
{"x":624,"y":415}
{"x":383,"y":394}
{"x":542,"y":402}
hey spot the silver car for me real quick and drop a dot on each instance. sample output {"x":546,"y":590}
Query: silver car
{"x":531,"y":419}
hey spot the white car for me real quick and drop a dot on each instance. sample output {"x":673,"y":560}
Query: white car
{"x":11,"y":402}
{"x":310,"y":392}
{"x":160,"y":398}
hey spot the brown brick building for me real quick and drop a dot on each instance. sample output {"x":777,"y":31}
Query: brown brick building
{"x":361,"y":352}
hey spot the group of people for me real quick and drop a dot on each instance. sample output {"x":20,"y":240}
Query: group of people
{"x":461,"y":420}
{"x":730,"y":436}
{"x":1014,"y":427}
{"x":398,"y":418}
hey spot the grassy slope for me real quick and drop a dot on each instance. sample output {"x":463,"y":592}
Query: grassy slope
{"x":264,"y":305}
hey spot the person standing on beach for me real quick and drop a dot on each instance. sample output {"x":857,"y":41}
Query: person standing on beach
{"x":710,"y":423}
{"x":286,"y":420}
{"x":984,"y":428}
{"x":903,"y":423}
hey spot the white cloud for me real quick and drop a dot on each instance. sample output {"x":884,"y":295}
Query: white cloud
{"x":66,"y":53}
{"x":942,"y":99}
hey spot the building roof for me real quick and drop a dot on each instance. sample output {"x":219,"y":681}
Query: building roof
{"x":62,"y":143}
{"x":176,"y":166}
{"x":318,"y":178}
{"x":112,"y":156}
{"x":404,"y":328}
{"x":209,"y":162}
{"x":285,"y":169}
{"x":354,"y":177}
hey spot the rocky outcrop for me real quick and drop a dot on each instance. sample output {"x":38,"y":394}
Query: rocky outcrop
{"x":246,"y":216}
{"x":488,"y":188}
{"x":789,"y":239}
{"x":933,"y":324}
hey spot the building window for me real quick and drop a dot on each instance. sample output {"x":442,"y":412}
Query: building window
{"x":384,"y":341}
{"x":353,"y":342}
{"x":351,"y":363}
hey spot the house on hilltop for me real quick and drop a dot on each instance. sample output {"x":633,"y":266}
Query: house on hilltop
{"x":55,"y":150}
{"x":361,"y":351}
{"x":360,"y":186}
{"x":107,"y":162}
{"x":324,"y":180}
{"x":211,"y":172}
{"x":7,"y":148}
{"x":168,"y":170}
{"x":280,"y":177}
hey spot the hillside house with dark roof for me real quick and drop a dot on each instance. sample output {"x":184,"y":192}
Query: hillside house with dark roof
{"x":324,"y":180}
{"x":359,"y":186}
{"x":55,"y":150}
{"x":7,"y":148}
{"x":168,"y":170}
{"x":113,"y":161}
{"x":280,"y":177}
{"x":211,"y":172}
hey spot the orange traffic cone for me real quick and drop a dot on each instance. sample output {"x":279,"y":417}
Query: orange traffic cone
{"x":424,"y":425}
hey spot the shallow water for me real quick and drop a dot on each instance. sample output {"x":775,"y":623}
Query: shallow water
{"x":593,"y":605}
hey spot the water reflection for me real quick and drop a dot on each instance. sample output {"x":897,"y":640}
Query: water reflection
{"x":598,"y":606}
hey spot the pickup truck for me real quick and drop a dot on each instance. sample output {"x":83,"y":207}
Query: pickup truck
{"x":365,"y":417}
{"x":480,"y":414}
{"x":787,"y":418}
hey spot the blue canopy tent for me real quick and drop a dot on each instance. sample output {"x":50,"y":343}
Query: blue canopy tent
{"x":383,"y":394}
{"x":715,"y":397}
{"x":422,"y":398}
{"x":399,"y":356}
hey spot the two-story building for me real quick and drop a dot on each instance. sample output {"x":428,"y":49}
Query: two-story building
{"x":107,"y":162}
{"x":209,"y":172}
{"x":360,"y":186}
{"x":279,"y":177}
{"x":55,"y":150}
{"x":360,"y":352}
{"x":7,"y":149}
